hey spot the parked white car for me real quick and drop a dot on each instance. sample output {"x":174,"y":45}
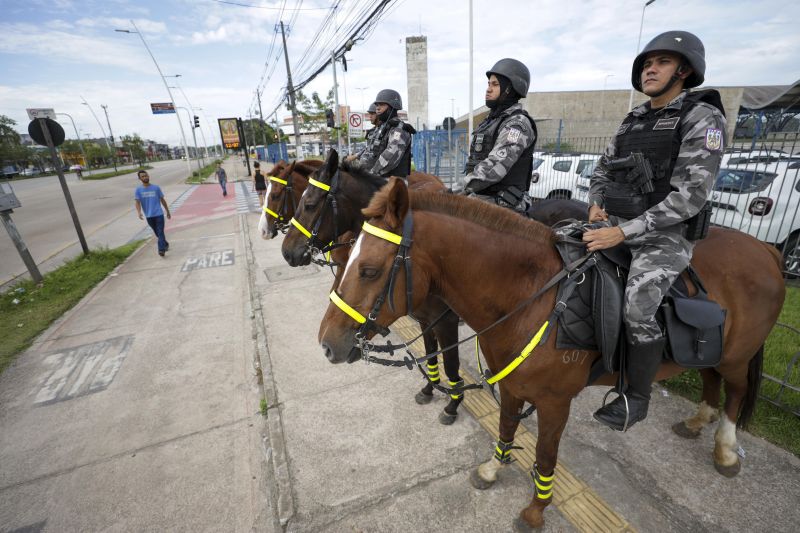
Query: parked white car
{"x":556,"y":175}
{"x":763,"y":201}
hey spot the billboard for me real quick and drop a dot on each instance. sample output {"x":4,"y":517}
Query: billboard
{"x":162,"y":108}
{"x":229,"y":131}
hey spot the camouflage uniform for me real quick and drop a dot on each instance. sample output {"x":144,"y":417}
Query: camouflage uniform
{"x":515,"y":136}
{"x":382,"y":163}
{"x":656,"y":238}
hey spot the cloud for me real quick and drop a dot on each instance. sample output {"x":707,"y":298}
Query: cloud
{"x":144,"y":25}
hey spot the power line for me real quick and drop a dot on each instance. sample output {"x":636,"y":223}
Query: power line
{"x":239,"y":4}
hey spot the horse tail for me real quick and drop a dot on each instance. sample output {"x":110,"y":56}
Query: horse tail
{"x":748,"y":406}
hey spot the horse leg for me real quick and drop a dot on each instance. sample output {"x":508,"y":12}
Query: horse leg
{"x":706,"y":411}
{"x":447,"y":335}
{"x":425,"y":395}
{"x":726,"y":458}
{"x":485,"y":475}
{"x":552,"y":416}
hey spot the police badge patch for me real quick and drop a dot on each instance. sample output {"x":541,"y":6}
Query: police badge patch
{"x":396,"y":136}
{"x":513,"y":135}
{"x":713,"y":139}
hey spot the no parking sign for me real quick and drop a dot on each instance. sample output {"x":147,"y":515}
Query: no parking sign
{"x":355,"y":122}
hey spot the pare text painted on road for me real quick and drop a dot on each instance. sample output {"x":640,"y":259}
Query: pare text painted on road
{"x":82,"y":370}
{"x":209,"y":260}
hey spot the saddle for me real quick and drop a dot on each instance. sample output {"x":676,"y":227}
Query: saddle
{"x":592,"y":316}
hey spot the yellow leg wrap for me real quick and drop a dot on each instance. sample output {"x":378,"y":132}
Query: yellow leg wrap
{"x":544,"y":484}
{"x":460,"y":395}
{"x":433,"y":372}
{"x":502,"y":451}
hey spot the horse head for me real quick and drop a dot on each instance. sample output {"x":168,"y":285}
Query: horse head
{"x":371,"y":293}
{"x":266,"y":226}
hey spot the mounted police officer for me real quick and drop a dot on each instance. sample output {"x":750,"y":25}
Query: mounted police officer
{"x":652,"y":185}
{"x":501,"y":153}
{"x":388,"y":151}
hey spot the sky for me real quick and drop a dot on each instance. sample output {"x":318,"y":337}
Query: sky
{"x":59,"y":53}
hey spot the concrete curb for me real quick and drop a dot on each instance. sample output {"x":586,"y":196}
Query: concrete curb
{"x":274,"y":441}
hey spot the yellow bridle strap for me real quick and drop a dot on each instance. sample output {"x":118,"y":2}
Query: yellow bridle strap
{"x":520,"y":358}
{"x":319,"y":184}
{"x":269,"y":211}
{"x":277,"y":180}
{"x":341,"y":304}
{"x":382,"y":233}
{"x":300,"y":227}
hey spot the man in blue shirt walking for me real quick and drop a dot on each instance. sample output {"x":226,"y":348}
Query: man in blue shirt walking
{"x":149,"y":200}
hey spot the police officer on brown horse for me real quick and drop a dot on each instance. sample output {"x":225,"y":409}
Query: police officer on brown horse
{"x":652,"y":184}
{"x":501,"y":153}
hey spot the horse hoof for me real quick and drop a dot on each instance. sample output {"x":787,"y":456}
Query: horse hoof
{"x":447,"y":419}
{"x":729,"y":471}
{"x":478,"y":482}
{"x":422,"y":398}
{"x":521,"y":526}
{"x":682,"y":430}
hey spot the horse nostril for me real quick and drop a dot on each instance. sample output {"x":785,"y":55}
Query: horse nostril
{"x":328,"y":353}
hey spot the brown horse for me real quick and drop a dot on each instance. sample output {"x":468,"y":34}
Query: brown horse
{"x":286,"y":185}
{"x":352,"y":191}
{"x":483,"y":261}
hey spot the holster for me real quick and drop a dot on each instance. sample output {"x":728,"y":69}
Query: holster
{"x":511,"y":195}
{"x":624,"y":200}
{"x":697,"y":226}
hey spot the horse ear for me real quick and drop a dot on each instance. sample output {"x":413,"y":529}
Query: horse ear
{"x":396,"y":202}
{"x":332,"y":163}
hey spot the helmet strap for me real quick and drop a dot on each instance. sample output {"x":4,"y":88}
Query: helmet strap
{"x":672,"y":80}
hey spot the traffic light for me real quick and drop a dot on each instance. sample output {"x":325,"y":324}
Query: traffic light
{"x":329,"y":118}
{"x":196,"y":121}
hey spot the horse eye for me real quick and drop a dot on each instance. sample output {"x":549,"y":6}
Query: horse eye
{"x":311,"y":206}
{"x":368,"y":273}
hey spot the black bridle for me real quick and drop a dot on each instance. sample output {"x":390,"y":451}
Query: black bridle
{"x":281,"y":223}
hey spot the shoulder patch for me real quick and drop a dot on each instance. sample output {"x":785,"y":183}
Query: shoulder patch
{"x":514,"y":135}
{"x":713,"y":139}
{"x":623,"y":128}
{"x":396,"y":135}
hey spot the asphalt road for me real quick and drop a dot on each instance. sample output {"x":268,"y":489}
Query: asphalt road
{"x":105,"y":209}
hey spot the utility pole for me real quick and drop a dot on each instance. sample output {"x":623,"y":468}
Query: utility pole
{"x":337,"y":120}
{"x":111,"y":134}
{"x":261,"y":120}
{"x":77,"y":136}
{"x":290,"y":90}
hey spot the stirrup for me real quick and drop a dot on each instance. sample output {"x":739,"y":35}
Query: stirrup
{"x":627,"y":407}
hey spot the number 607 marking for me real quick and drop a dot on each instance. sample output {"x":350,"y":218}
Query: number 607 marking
{"x":575,"y":356}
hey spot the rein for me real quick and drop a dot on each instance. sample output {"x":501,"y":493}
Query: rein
{"x":577,"y":267}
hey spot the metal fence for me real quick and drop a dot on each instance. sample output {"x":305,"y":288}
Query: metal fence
{"x":441,"y":152}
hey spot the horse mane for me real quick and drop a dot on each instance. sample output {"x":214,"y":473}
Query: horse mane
{"x":362,"y":174}
{"x":483,"y":213}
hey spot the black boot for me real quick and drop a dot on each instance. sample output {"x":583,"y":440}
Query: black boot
{"x":643,"y":362}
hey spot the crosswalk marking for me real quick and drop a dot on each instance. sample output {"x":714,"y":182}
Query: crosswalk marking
{"x":246,"y":201}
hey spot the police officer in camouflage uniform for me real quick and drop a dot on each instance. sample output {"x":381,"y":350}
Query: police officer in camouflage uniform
{"x":501,"y":153}
{"x":388,"y":151}
{"x":679,"y":135}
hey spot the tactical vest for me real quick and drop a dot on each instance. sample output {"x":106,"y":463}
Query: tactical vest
{"x":380,"y":140}
{"x":484,"y":139}
{"x":658,"y":138}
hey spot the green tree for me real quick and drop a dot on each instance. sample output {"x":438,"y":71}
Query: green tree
{"x":134,"y":145}
{"x":256,"y":131}
{"x":311,"y":111}
{"x":12,"y":152}
{"x":98,"y":155}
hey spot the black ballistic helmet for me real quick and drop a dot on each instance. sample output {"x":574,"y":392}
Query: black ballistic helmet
{"x":680,"y":42}
{"x":516,"y":72}
{"x":372,"y":108}
{"x":390,"y":97}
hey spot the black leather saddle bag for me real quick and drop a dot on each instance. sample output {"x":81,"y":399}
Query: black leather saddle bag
{"x":695,"y":328}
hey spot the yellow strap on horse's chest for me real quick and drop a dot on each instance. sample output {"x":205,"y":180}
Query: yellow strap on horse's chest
{"x":341,"y":304}
{"x":319,"y":184}
{"x":521,"y":357}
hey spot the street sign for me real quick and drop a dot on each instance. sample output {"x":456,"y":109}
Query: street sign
{"x":42,"y":112}
{"x":53,"y":127}
{"x":355,"y":121}
{"x":162,"y":108}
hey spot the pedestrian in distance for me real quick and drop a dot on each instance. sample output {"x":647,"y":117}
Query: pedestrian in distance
{"x":651,"y":187}
{"x":501,"y":152}
{"x":222,"y":178}
{"x":149,"y":200}
{"x":259,"y":183}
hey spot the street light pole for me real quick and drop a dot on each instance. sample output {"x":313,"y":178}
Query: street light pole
{"x":362,"y":89}
{"x":191,"y":121}
{"x":171,"y":99}
{"x":102,"y":129}
{"x":77,"y":136}
{"x":603,"y":95}
{"x":638,"y":44}
{"x":194,"y":138}
{"x":336,"y":121}
{"x":111,"y":134}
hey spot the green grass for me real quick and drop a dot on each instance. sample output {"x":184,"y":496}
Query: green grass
{"x":263,"y":407}
{"x":770,"y":422}
{"x":199,"y":176}
{"x":106,"y":175}
{"x":38,"y":306}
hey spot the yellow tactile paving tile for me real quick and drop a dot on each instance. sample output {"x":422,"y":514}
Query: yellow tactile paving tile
{"x":575,"y":500}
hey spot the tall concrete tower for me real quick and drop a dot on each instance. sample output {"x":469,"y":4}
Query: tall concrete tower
{"x":417,"y":76}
